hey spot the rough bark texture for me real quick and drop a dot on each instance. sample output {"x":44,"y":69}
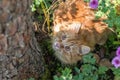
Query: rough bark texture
{"x":20,"y":57}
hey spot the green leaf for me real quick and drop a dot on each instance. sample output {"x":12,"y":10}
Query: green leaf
{"x":55,"y":78}
{"x":110,"y":23}
{"x":116,"y":71}
{"x":77,"y":70}
{"x":117,"y":22}
{"x":91,"y":77}
{"x":105,"y":9}
{"x":37,"y":3}
{"x":89,"y":59}
{"x":117,"y":78}
{"x":102,"y":69}
{"x":88,"y":69}
{"x":118,"y":36}
{"x":66,"y":72}
{"x":78,"y":77}
{"x":33,"y":8}
{"x":87,"y":0}
{"x":99,"y":14}
{"x":116,"y":42}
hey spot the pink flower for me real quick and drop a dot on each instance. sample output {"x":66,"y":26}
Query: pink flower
{"x":118,"y":51}
{"x":94,"y":4}
{"x":116,"y":61}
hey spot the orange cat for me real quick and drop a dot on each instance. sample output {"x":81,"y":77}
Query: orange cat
{"x":75,"y":32}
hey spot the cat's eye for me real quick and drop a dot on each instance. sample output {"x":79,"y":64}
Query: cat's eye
{"x":67,"y":48}
{"x":63,"y":37}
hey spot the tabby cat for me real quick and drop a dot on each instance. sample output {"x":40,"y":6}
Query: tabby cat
{"x":76,"y":32}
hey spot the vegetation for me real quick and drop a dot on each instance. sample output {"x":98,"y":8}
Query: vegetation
{"x":88,"y":68}
{"x":88,"y":71}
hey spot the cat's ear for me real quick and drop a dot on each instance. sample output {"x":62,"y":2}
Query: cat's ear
{"x":74,"y":27}
{"x":85,"y":49}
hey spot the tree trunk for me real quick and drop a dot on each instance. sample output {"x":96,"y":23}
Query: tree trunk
{"x":20,"y":57}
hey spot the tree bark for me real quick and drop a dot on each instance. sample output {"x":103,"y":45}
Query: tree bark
{"x":20,"y":57}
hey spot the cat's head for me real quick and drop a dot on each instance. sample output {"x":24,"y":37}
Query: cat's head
{"x":70,"y":52}
{"x":68,"y":48}
{"x":68,"y":43}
